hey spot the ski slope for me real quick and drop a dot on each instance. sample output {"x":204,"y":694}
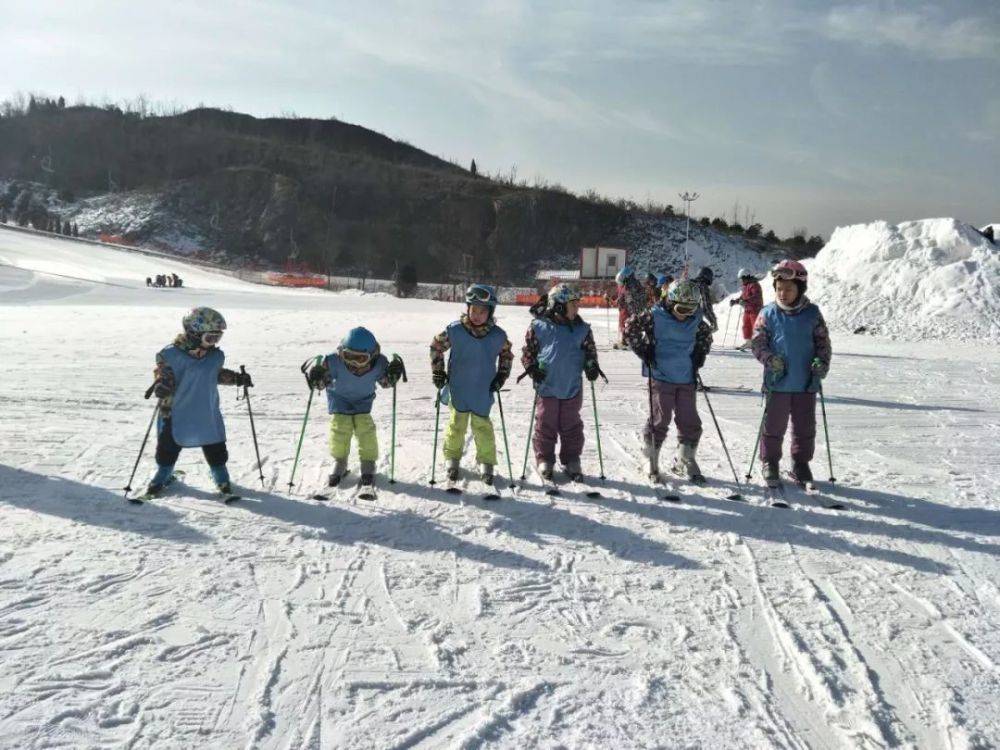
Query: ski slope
{"x":425,"y":620}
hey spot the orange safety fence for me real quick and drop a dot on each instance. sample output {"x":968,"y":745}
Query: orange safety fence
{"x":289,"y":279}
{"x":591,"y":300}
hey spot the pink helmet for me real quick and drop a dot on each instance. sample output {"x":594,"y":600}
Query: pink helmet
{"x":790,"y":269}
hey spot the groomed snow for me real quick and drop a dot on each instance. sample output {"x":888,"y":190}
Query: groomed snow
{"x":934,"y":278}
{"x":426,"y":620}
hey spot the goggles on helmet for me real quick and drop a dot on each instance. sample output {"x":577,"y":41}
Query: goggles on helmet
{"x":788,"y":274}
{"x":683,"y":309}
{"x":211,"y":338}
{"x":478,"y":295}
{"x":356,"y":358}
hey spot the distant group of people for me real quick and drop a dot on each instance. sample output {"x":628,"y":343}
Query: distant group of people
{"x":165,"y":279}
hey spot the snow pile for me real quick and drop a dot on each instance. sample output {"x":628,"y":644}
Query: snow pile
{"x":934,"y":278}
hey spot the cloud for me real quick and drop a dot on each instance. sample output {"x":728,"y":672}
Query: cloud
{"x":923,"y":31}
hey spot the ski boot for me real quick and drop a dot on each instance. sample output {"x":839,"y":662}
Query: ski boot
{"x":545,"y":470}
{"x":164,"y":475}
{"x":685,"y":464}
{"x":339,"y":469}
{"x":220,"y":475}
{"x":652,"y":454}
{"x":486,"y":474}
{"x":771,"y":473}
{"x":745,"y":346}
{"x":572,"y":470}
{"x":454,"y":468}
{"x":802,"y":473}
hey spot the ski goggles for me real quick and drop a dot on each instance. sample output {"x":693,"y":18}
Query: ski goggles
{"x":479,"y":295}
{"x":356,"y":358}
{"x":787,"y":274}
{"x":684,"y":309}
{"x":211,"y":338}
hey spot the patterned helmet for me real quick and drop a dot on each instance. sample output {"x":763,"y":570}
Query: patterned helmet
{"x":203,"y":320}
{"x":684,"y":294}
{"x":624,"y":275}
{"x":481,"y":294}
{"x":790,"y":269}
{"x":561,"y":294}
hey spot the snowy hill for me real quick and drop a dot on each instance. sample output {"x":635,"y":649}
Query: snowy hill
{"x":428,"y":620}
{"x":935,"y":278}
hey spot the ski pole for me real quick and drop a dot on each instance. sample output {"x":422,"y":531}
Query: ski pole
{"x":437,"y":418}
{"x":392,"y":452}
{"x":597,"y":427}
{"x":305,"y":365}
{"x":826,"y":433}
{"x":527,"y":445}
{"x":760,"y":430}
{"x":506,"y":445}
{"x":156,"y":411}
{"x":725,"y":336}
{"x":253,"y":430}
{"x":735,"y":496}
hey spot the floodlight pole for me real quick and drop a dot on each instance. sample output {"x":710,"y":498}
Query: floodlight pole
{"x":688,"y":199}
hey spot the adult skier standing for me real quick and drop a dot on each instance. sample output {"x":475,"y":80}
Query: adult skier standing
{"x":558,"y":346}
{"x":349,"y":376}
{"x":672,"y":340}
{"x":751,"y":299}
{"x":478,"y":365}
{"x":187,"y":377}
{"x":791,"y":340}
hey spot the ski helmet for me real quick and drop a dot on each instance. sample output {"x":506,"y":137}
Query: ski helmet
{"x":358,"y":347}
{"x":706,"y":274}
{"x":790,"y":269}
{"x":481,"y":294}
{"x":684,"y":296}
{"x":624,"y":275}
{"x":744,"y":274}
{"x":204,"y":325}
{"x":560,"y":295}
{"x":664,"y":279}
{"x":650,"y":278}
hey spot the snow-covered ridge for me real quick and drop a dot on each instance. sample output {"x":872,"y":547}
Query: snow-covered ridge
{"x":934,"y":278}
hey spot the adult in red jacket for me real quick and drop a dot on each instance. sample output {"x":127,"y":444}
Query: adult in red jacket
{"x":751,"y":299}
{"x":631,"y":299}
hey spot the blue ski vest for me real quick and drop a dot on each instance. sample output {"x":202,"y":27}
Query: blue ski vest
{"x":560,"y":352}
{"x":195,"y":416}
{"x":674,"y":346}
{"x":472,"y":365}
{"x":349,"y":393}
{"x":790,"y":336}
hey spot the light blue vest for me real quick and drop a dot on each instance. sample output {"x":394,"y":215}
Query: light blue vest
{"x":472,"y":365}
{"x":790,"y":336}
{"x":560,"y":352}
{"x":674,"y":346}
{"x":349,"y":393}
{"x":195,"y":415}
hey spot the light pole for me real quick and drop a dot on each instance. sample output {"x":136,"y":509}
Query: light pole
{"x":688,"y":199}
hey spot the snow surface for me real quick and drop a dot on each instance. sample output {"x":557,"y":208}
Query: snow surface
{"x":934,"y":278}
{"x":426,"y":620}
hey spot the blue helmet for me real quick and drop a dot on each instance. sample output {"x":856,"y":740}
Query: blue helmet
{"x":358,"y":347}
{"x":663,"y":279}
{"x":624,"y":275}
{"x":481,"y":294}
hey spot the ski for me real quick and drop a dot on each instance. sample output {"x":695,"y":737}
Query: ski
{"x":812,"y":489}
{"x":664,"y":488}
{"x":575,"y":483}
{"x":775,"y":490}
{"x":229,"y":498}
{"x":145,"y":497}
{"x":454,"y":486}
{"x":485,"y":491}
{"x":334,"y":490}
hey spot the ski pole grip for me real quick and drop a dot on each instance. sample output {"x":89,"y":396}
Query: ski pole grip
{"x":149,"y":391}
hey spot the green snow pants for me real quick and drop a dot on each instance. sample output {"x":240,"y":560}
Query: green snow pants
{"x":343,"y":426}
{"x":482,"y":433}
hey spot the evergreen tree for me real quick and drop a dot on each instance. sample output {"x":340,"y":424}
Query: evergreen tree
{"x":473,"y":168}
{"x":406,"y":282}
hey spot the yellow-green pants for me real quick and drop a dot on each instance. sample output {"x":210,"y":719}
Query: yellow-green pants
{"x":482,"y":433}
{"x":343,"y":426}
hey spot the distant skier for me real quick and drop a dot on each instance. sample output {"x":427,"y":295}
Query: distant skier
{"x":791,"y":340}
{"x":672,"y":340}
{"x":558,"y":346}
{"x":630,"y":299}
{"x":751,"y":299}
{"x":478,"y":365}
{"x":349,"y":376}
{"x":187,"y":376}
{"x":704,"y":283}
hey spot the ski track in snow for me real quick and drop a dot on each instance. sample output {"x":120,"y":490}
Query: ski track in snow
{"x":427,"y":620}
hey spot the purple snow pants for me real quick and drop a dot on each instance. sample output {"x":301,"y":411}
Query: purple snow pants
{"x":801,"y":407}
{"x":558,"y":418}
{"x":676,"y":400}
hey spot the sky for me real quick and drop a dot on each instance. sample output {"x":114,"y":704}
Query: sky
{"x":800,"y":114}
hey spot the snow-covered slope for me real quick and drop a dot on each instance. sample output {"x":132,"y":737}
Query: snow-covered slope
{"x":921,"y":279}
{"x":426,"y":620}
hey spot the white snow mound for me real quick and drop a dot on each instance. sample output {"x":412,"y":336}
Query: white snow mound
{"x":933,"y":278}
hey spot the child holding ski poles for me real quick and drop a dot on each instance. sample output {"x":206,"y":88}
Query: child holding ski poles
{"x":558,"y":346}
{"x":349,"y":376}
{"x":186,"y":382}
{"x":791,"y":340}
{"x":751,"y":299}
{"x":672,"y":340}
{"x":478,"y":365}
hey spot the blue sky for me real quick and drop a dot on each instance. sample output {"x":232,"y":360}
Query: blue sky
{"x":808,"y":114}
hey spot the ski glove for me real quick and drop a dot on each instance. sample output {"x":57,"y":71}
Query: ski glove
{"x":394,"y":371}
{"x":776,"y":365}
{"x":440,"y":378}
{"x":646,"y":352}
{"x":591,"y":369}
{"x":162,"y":389}
{"x":498,"y":381}
{"x":537,"y":373}
{"x":819,"y":369}
{"x":243,"y":379}
{"x":318,"y":376}
{"x":735,"y":301}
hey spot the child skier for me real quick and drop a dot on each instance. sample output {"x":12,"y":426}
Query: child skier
{"x":349,"y":376}
{"x":558,"y":346}
{"x":703,"y":281}
{"x":791,"y":340}
{"x":663,"y":282}
{"x":186,"y":381}
{"x":630,"y":299}
{"x":478,"y":366}
{"x":751,"y":299}
{"x":672,"y":340}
